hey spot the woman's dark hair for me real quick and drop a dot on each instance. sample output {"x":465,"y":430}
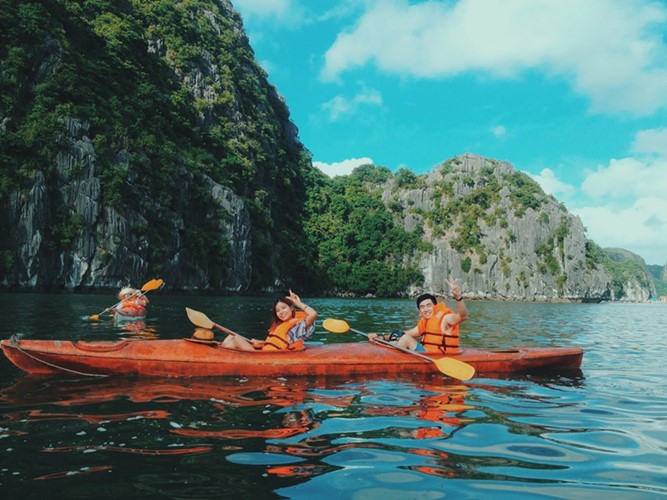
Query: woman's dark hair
{"x":425,"y":296}
{"x":275,"y":321}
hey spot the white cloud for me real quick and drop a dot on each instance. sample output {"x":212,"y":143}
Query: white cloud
{"x":344,"y":167}
{"x":340,"y":106}
{"x":337,"y":107}
{"x":340,"y":9}
{"x":626,"y":207}
{"x":640,"y":228}
{"x":651,"y":141}
{"x":499,"y":131}
{"x":627,"y":178}
{"x":586,"y":43}
{"x":552,"y":185}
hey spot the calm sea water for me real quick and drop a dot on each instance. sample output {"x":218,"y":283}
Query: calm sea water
{"x":599,"y":433}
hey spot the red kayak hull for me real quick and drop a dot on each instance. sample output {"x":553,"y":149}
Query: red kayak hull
{"x":188,"y":358}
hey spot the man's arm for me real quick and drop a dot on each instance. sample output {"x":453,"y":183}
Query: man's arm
{"x":451,"y":320}
{"x":413,"y":332}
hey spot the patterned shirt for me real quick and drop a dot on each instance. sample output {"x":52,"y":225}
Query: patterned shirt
{"x":300,"y":331}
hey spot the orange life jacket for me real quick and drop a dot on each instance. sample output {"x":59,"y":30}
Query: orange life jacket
{"x":132,"y":307}
{"x":277,"y":340}
{"x":433,"y":338}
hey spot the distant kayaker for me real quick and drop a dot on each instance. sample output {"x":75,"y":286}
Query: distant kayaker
{"x":438,"y":328}
{"x":132,"y":303}
{"x":288,"y":326}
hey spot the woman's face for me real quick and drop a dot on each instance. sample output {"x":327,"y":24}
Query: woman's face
{"x":283,"y":311}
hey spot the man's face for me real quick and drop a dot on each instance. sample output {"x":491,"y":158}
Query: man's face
{"x":426,"y":308}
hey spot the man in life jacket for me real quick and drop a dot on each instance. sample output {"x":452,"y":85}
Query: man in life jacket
{"x":132,"y":303}
{"x":289,"y":327}
{"x":438,"y":329}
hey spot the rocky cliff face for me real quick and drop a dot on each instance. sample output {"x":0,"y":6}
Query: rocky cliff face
{"x":500,"y":236}
{"x":161,"y":150}
{"x":635,"y":290}
{"x":109,"y":247}
{"x":631,"y":278}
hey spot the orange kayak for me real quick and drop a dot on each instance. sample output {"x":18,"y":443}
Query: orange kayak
{"x":193,"y":358}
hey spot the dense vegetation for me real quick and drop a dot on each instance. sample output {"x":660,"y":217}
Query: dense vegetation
{"x":118,"y":68}
{"x":360,"y":250}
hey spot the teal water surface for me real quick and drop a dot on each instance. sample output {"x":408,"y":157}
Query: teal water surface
{"x":599,"y":432}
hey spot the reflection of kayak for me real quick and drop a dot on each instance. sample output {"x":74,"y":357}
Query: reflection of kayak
{"x":76,"y":391}
{"x":188,"y":358}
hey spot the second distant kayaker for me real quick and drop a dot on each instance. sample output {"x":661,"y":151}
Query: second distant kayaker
{"x":132,"y":303}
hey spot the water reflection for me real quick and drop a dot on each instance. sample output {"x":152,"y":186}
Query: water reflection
{"x":287,"y":427}
{"x":137,"y":328}
{"x":109,"y":328}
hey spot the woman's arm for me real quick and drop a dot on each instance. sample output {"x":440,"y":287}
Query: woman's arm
{"x":311,"y":314}
{"x":305,"y":328}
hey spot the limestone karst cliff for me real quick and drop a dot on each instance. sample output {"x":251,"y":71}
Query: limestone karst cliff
{"x":631,"y":280}
{"x":141,"y":139}
{"x":499,"y":234}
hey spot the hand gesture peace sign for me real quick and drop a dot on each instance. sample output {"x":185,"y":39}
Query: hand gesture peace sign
{"x":454,"y":287}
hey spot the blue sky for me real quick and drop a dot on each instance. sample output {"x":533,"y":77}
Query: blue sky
{"x":572,"y":92}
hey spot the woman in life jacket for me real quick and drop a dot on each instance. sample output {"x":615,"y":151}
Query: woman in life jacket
{"x":132,"y":303}
{"x":288,"y":327}
{"x":438,"y":328}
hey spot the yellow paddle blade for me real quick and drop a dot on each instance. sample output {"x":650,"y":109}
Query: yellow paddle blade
{"x":94,"y":317}
{"x":199,"y":318}
{"x":455,"y":368}
{"x":336,"y":325}
{"x":152,"y":285}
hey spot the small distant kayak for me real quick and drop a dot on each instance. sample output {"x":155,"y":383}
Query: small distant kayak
{"x":192,"y":358}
